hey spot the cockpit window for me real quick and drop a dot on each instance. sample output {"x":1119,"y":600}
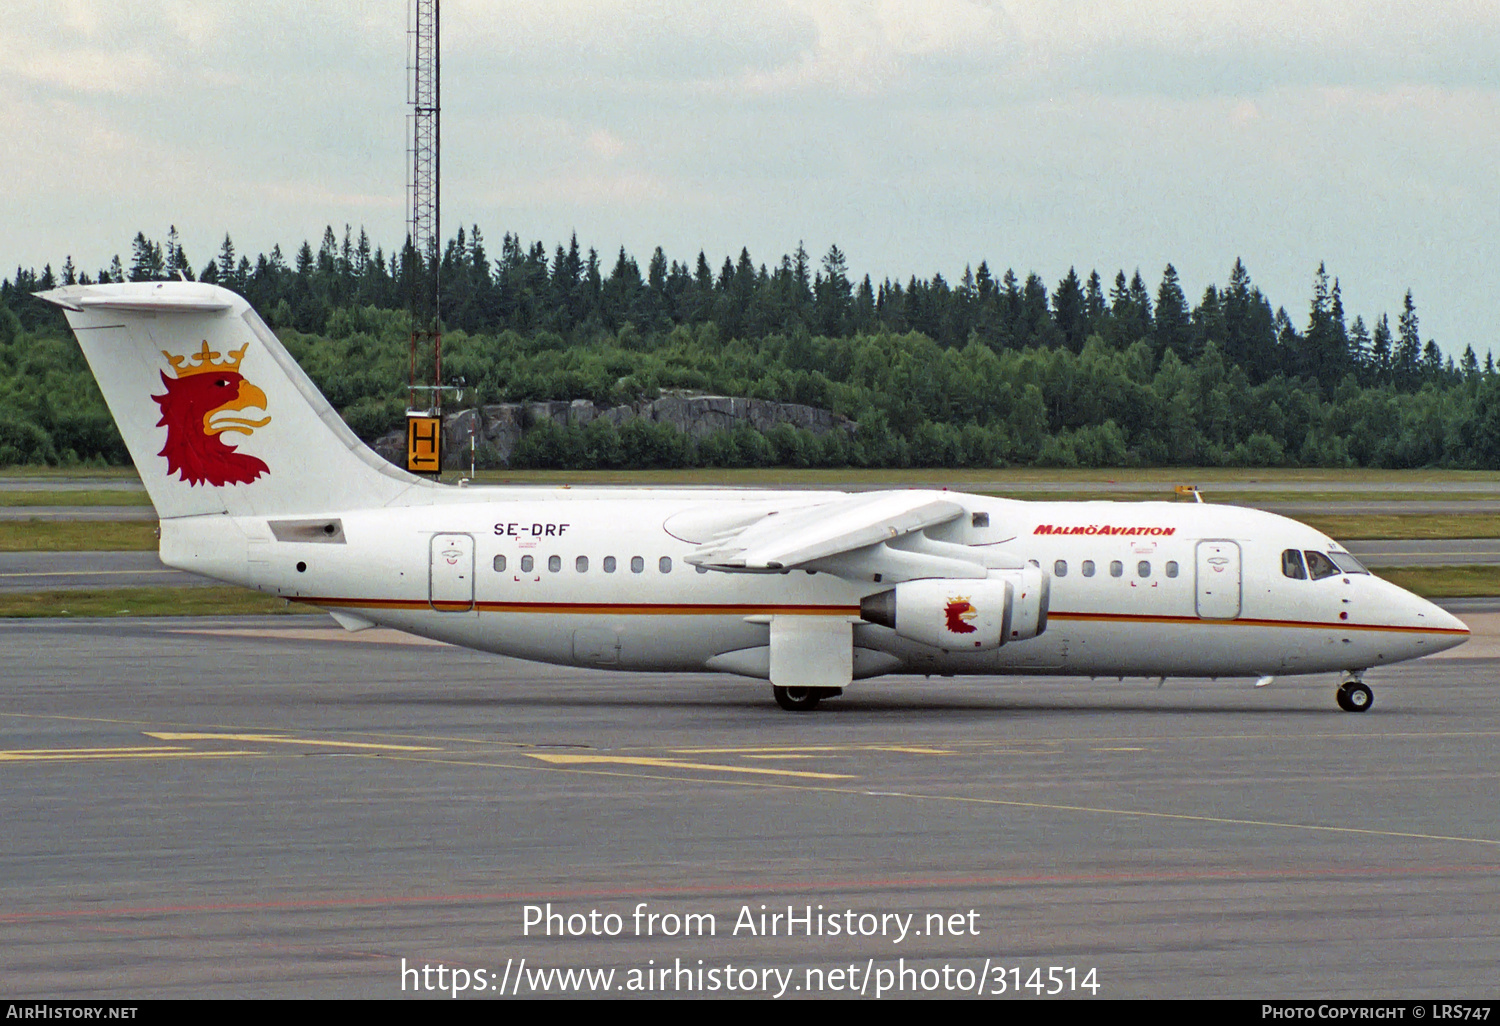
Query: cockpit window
{"x":1347,"y":563}
{"x":1320,"y":566}
{"x":1291,"y":565}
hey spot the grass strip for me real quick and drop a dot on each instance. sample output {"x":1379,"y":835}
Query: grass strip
{"x":77,"y":536}
{"x":92,"y":497}
{"x":163,"y":601}
{"x":1168,"y":475}
{"x":28,"y":471}
{"x":1445,"y":581}
{"x":1404,"y":526}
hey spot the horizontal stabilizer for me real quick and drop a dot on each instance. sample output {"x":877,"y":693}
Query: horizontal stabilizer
{"x":75,"y":298}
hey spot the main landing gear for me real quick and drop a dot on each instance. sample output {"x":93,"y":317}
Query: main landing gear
{"x":1354,"y":696}
{"x":803,"y":699}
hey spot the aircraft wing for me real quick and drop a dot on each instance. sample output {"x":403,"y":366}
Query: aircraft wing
{"x":827,"y":534}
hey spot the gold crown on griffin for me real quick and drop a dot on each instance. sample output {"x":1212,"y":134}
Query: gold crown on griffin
{"x":206,"y":361}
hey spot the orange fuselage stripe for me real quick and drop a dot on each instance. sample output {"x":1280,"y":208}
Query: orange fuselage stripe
{"x":616,"y":608}
{"x":735,"y":609}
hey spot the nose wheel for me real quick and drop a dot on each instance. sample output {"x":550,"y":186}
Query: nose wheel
{"x":1354,"y":696}
{"x":803,"y":699}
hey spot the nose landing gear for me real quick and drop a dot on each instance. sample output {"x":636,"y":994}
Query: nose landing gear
{"x":1354,"y":696}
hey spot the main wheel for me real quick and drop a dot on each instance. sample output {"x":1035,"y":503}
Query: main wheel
{"x":797,"y":699}
{"x":1353,"y":696}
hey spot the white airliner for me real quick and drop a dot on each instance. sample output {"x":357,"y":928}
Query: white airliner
{"x":258,"y":482}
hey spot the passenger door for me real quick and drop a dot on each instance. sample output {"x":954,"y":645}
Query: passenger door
{"x":1218,"y":580}
{"x":451,"y":573}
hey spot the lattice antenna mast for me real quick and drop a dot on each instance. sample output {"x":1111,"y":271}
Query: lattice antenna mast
{"x":424,"y":252}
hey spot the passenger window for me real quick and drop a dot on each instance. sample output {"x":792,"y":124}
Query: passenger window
{"x":1060,"y":568}
{"x":1116,"y":568}
{"x":581,"y":564}
{"x":1291,"y":565}
{"x":609,"y":564}
{"x":1171,"y":568}
{"x":637,"y":564}
{"x":664,"y":564}
{"x":1143,"y":568}
{"x":1320,"y":566}
{"x":499,"y":564}
{"x":1088,"y":568}
{"x":554,"y":563}
{"x":526,"y":564}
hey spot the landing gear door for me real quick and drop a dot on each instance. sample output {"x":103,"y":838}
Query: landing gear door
{"x":1218,"y":580}
{"x":811,"y":651}
{"x":451,"y":573}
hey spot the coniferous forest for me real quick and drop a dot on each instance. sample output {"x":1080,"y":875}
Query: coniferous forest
{"x":989,"y":370}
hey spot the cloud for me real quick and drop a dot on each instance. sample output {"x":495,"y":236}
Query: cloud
{"x":918,"y":134}
{"x":636,"y":40}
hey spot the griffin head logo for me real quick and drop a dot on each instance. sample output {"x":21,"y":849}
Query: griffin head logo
{"x":202,"y":403}
{"x":958,"y":613}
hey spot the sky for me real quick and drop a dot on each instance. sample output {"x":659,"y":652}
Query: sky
{"x":920,"y":136}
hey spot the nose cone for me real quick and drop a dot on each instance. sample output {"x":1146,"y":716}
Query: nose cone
{"x":1447,"y":630}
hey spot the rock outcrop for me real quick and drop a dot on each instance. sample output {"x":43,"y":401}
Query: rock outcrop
{"x":497,"y":428}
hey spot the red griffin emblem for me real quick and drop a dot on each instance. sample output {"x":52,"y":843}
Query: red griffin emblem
{"x":200,"y":404}
{"x":957,"y":613}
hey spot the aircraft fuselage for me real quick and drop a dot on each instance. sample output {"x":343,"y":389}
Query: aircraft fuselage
{"x":597,"y":577}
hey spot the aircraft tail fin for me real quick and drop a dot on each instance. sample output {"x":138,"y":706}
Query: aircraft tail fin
{"x":216,"y":414}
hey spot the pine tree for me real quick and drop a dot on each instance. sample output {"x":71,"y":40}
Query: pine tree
{"x":833,"y":298}
{"x":658,"y":304}
{"x":1093,"y":302}
{"x":1174,"y":329}
{"x":362,"y":255}
{"x":1068,"y":311}
{"x":1380,"y":351}
{"x":802,"y":297}
{"x":173,"y":248}
{"x":1325,"y":354}
{"x":226,"y":263}
{"x":146,"y":261}
{"x":1359,"y":348}
{"x":1408,"y":355}
{"x":1251,"y":335}
{"x":328,"y":254}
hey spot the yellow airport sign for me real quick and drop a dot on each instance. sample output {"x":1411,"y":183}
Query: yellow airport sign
{"x":424,"y":445}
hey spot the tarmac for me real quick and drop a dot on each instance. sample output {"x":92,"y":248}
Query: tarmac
{"x":258,"y":807}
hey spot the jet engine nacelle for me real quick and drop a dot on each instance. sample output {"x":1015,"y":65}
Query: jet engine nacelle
{"x":958,"y":614}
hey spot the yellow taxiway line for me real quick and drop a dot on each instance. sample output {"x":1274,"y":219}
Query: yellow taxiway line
{"x":70,"y":754}
{"x":284,"y":740}
{"x":813,"y":750}
{"x":627,"y":760}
